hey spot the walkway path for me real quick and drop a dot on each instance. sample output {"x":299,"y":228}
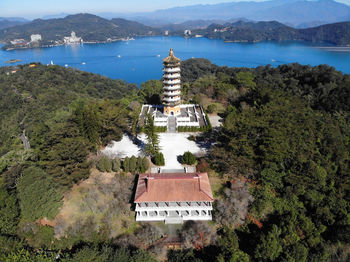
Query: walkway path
{"x":171,"y":124}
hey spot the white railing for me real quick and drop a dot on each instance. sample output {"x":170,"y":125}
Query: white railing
{"x":195,"y":124}
{"x":172,"y":69}
{"x":169,"y":99}
{"x":173,"y":93}
{"x":162,"y":218}
{"x":172,"y":76}
{"x":183,"y":119}
{"x":174,"y":87}
{"x":172,"y":82}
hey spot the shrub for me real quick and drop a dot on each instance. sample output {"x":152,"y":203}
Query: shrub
{"x":188,"y":158}
{"x":211,"y":108}
{"x":161,"y":129}
{"x":133,"y":164}
{"x":116,"y":165}
{"x":104,"y":164}
{"x":203,"y":166}
{"x":126,"y":164}
{"x":145,"y":164}
{"x":158,"y":159}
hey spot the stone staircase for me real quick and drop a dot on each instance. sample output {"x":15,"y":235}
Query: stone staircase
{"x":172,"y":124}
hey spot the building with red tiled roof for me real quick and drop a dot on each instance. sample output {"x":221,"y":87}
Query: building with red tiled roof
{"x":173,"y":197}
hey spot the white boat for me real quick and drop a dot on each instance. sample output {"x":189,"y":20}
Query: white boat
{"x":83,"y":63}
{"x":66,"y":65}
{"x":158,"y":55}
{"x":273,"y":60}
{"x":119,"y":56}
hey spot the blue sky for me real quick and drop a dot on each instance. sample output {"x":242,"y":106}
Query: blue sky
{"x":37,"y":8}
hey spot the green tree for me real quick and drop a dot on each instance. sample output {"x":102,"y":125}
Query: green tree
{"x":126,"y":164}
{"x":133,"y":164}
{"x":115,"y":165}
{"x":9,"y":211}
{"x":152,"y":146}
{"x":151,"y":91}
{"x":188,"y":158}
{"x":246,"y":80}
{"x":37,"y":195}
{"x":158,"y":159}
{"x":145,"y":164}
{"x":89,"y":121}
{"x":270,"y":246}
{"x":104,"y":164}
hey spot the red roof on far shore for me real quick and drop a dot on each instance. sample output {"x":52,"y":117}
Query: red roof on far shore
{"x":173,"y":187}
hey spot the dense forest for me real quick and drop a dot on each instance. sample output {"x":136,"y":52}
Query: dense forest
{"x":337,"y":33}
{"x":280,"y":163}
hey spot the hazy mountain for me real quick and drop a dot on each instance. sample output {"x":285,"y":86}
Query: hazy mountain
{"x":14,"y":19}
{"x":300,"y":12}
{"x":292,"y":12}
{"x":87,"y":26}
{"x":7,"y":23}
{"x":133,"y":27}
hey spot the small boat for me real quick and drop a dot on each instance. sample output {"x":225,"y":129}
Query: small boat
{"x":66,"y":65}
{"x":13,"y":61}
{"x":273,"y":60}
{"x":158,"y":55}
{"x":119,"y":56}
{"x":83,"y":63}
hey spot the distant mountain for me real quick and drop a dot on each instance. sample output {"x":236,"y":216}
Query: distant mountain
{"x":133,"y":27}
{"x":193,"y":24}
{"x":292,"y":12}
{"x":197,"y":24}
{"x":87,"y":26}
{"x":14,"y":19}
{"x":337,"y":33}
{"x":7,"y":23}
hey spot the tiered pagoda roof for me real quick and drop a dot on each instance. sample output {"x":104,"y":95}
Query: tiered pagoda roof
{"x":171,"y":59}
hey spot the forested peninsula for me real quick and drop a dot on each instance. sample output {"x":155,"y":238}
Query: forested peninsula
{"x":336,"y":34}
{"x":278,"y":165}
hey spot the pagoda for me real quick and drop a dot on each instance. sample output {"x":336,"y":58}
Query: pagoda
{"x":173,"y":114}
{"x":171,"y":85}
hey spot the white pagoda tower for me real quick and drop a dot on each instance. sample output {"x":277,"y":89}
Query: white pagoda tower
{"x":171,"y":85}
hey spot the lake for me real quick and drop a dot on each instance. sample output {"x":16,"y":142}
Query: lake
{"x":139,"y":60}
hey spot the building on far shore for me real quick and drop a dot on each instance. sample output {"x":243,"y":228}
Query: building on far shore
{"x":173,"y":197}
{"x":35,"y":38}
{"x":72,"y":39}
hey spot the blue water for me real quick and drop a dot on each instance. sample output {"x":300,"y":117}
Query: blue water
{"x":141,"y":60}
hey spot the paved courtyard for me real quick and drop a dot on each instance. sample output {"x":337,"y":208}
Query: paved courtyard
{"x":172,"y":146}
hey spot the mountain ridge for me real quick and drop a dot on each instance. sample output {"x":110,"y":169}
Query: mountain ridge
{"x":293,"y":12}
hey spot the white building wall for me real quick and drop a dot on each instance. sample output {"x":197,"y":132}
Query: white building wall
{"x":179,"y":211}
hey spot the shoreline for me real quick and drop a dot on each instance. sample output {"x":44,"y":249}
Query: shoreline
{"x":337,"y":48}
{"x":62,"y":44}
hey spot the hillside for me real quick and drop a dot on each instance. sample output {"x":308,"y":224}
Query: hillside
{"x":90,"y":27}
{"x":337,"y":34}
{"x":291,"y":12}
{"x":280,"y":163}
{"x":8,"y":23}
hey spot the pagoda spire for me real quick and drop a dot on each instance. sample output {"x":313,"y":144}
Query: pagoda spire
{"x":171,"y":84}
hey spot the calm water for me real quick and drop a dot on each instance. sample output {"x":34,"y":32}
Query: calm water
{"x":141,"y":60}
